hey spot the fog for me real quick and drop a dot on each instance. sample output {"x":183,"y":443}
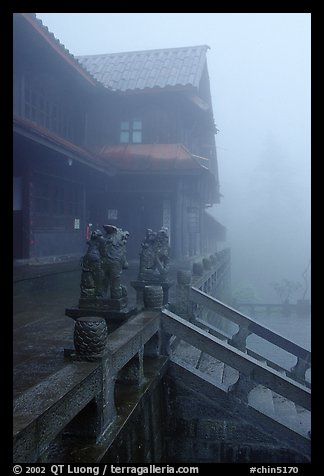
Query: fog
{"x":259,"y":68}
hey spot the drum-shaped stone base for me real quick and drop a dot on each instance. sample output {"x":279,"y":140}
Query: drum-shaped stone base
{"x":184,"y":277}
{"x":153,"y":297}
{"x":90,"y":335}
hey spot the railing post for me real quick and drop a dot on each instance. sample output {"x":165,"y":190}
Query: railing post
{"x":152,"y":348}
{"x":183,"y":306}
{"x":300,"y":369}
{"x":165,"y":343}
{"x":106,"y":400}
{"x":197,"y":271}
{"x":133,"y":372}
{"x":239,"y":339}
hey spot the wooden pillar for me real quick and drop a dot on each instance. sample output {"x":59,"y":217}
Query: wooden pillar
{"x":178,"y":234}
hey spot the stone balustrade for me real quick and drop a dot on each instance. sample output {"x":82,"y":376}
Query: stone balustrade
{"x":248,"y":326}
{"x":86,"y":384}
{"x":235,"y":358}
{"x":195,"y":301}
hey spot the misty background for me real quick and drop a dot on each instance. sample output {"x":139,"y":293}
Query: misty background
{"x":259,"y":67}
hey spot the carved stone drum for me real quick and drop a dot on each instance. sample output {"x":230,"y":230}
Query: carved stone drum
{"x":184,"y":277}
{"x":90,"y":335}
{"x":153,"y":297}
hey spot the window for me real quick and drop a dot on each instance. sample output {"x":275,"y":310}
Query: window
{"x":137,"y":132}
{"x":124,"y":132}
{"x":42,"y":196}
{"x":42,"y":105}
{"x":57,"y":197}
{"x":131,"y":132}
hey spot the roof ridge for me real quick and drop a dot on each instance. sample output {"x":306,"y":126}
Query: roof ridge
{"x":144,"y":51}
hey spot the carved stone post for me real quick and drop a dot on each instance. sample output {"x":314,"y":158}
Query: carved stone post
{"x":107,"y":397}
{"x":300,"y":369}
{"x":197,"y":269}
{"x":206,"y":263}
{"x":239,"y":339}
{"x":165,"y":343}
{"x":183,"y":305}
{"x":152,"y":348}
{"x":133,"y":372}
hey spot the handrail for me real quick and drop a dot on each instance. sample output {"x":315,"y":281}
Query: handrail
{"x":225,"y":336}
{"x":222,"y":259}
{"x":250,"y":326}
{"x":294,"y":391}
{"x":199,"y":297}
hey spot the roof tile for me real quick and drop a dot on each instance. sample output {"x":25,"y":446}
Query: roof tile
{"x":147,"y":69}
{"x":148,"y":157}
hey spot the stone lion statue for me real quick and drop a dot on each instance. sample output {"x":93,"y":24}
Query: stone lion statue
{"x":103,"y":263}
{"x":154,"y":256}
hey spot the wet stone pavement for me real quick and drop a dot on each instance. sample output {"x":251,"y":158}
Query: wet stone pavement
{"x":41,"y":331}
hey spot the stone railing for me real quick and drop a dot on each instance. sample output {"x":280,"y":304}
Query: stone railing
{"x":248,"y":326}
{"x":265,"y":308}
{"x":173,"y":325}
{"x":196,"y":303}
{"x":87,"y":383}
{"x":208,"y":274}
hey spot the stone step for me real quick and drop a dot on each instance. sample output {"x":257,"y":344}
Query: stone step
{"x":230,"y":376}
{"x":281,"y":410}
{"x":186,"y":353}
{"x":212,"y":367}
{"x":304,"y":420}
{"x":287,"y":414}
{"x":285,"y":411}
{"x":260,"y":398}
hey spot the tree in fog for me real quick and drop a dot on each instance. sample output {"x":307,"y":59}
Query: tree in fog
{"x":274,"y":224}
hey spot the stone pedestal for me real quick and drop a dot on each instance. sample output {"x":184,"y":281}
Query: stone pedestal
{"x":140,"y":285}
{"x":103,"y":303}
{"x":183,"y":305}
{"x":114,"y":311}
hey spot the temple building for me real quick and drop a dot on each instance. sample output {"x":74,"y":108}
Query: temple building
{"x":124,"y":138}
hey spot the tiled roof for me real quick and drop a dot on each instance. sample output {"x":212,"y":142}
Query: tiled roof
{"x":57,"y":46}
{"x":149,"y":157}
{"x":147,"y":69}
{"x":170,"y":158}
